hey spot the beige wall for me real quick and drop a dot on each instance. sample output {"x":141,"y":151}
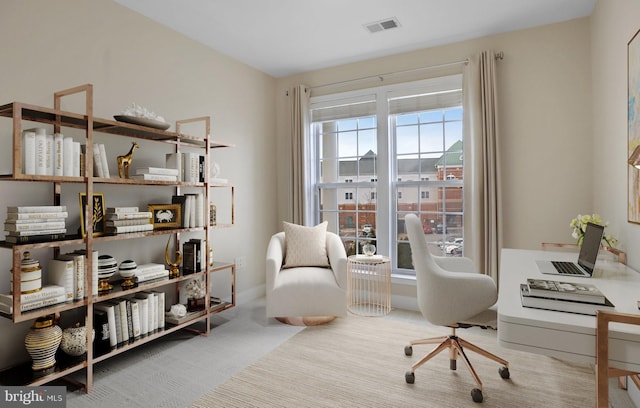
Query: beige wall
{"x":50,"y":46}
{"x":544,"y":122}
{"x":613,"y":24}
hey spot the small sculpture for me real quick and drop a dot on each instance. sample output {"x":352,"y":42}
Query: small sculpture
{"x":125,"y":161}
{"x":174,"y":267}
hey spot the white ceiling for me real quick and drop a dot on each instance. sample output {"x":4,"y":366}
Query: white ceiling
{"x":285,"y":37}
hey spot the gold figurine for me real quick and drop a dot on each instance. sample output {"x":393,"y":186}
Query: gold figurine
{"x":174,"y":267}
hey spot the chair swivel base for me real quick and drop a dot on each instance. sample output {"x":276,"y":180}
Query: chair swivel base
{"x":306,"y":320}
{"x":456,"y":346}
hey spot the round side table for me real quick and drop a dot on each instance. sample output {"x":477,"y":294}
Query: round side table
{"x":369,"y":285}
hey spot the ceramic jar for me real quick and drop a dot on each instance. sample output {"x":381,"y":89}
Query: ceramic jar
{"x":74,"y":340}
{"x":42,"y":342}
{"x":30,"y":275}
{"x":107,"y":266}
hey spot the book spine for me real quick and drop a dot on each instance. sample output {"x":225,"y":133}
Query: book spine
{"x":67,"y":157}
{"x":47,"y":225}
{"x":135,"y":318}
{"x":36,"y":215}
{"x":34,"y":239}
{"x":122,"y":210}
{"x":76,"y":159}
{"x":155,"y":177}
{"x":97,"y":161}
{"x":8,"y":308}
{"x":129,"y":216}
{"x":130,"y":228}
{"x":60,"y":272}
{"x":58,"y":154}
{"x":101,"y":328}
{"x":46,"y":292}
{"x":158,"y":171}
{"x":111,"y":319}
{"x":49,"y":155}
{"x":37,"y":209}
{"x":133,"y":221}
{"x":152,"y":276}
{"x":29,"y":152}
{"x":105,"y":162}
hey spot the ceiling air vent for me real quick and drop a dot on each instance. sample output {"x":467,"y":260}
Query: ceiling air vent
{"x":382,"y":25}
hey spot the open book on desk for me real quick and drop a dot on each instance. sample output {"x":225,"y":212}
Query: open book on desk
{"x":561,"y":305}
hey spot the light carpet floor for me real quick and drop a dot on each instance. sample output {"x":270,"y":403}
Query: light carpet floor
{"x":360,"y":362}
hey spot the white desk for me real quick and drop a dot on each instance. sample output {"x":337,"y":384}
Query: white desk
{"x":566,"y":335}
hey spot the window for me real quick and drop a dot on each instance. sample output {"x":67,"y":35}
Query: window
{"x":390,"y":151}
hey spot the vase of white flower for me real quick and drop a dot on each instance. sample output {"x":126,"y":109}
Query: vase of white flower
{"x":579,"y":226}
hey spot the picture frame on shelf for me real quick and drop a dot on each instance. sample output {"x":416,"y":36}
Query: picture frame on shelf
{"x":99,"y":219}
{"x":165,"y":215}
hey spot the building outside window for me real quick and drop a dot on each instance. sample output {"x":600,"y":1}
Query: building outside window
{"x":390,"y":151}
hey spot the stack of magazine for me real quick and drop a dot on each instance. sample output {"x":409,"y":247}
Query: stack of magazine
{"x":582,"y":298}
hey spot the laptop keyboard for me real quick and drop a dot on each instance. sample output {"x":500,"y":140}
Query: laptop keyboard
{"x":567,"y":268}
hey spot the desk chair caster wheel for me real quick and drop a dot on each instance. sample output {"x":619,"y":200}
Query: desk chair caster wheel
{"x":408,"y":350}
{"x":409,"y":377}
{"x":476,"y":394}
{"x":504,"y":372}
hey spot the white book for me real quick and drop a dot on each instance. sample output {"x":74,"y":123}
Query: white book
{"x":76,"y":159}
{"x":150,"y":266}
{"x":33,"y":226}
{"x":121,"y":210}
{"x":192,"y":210}
{"x":60,"y":272}
{"x":161,"y":308}
{"x":152,"y":276}
{"x":152,"y":314}
{"x":58,"y":154}
{"x":199,"y":210}
{"x":135,"y":318}
{"x":123,"y":229}
{"x":78,"y":274}
{"x":105,"y":162}
{"x":37,"y":215}
{"x":174,"y":161}
{"x":155,"y":177}
{"x":29,"y":152}
{"x":67,"y":156}
{"x":47,"y":291}
{"x":192,"y":168}
{"x":37,"y":208}
{"x":97,"y":162}
{"x":49,"y":155}
{"x":41,"y":152}
{"x":124,"y":319}
{"x":94,"y":267}
{"x":129,"y":216}
{"x":143,"y":304}
{"x":24,"y":307}
{"x":158,"y":170}
{"x":111,"y":319}
{"x":31,"y":233}
{"x":30,"y":221}
{"x":186,"y":217}
{"x":134,"y":221}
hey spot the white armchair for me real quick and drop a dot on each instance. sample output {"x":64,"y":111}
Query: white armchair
{"x":306,"y":291}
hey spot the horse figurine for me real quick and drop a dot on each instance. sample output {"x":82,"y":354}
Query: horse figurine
{"x":125,"y":160}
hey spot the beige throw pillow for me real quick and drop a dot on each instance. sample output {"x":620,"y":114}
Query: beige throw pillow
{"x":305,"y":246}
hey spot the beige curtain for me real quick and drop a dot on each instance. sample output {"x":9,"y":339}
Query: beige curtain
{"x":298,"y":175}
{"x":482,"y":196}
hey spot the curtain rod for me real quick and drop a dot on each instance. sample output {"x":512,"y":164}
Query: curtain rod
{"x":498,"y":56}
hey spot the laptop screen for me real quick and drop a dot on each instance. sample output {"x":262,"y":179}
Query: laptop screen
{"x":590,"y":246}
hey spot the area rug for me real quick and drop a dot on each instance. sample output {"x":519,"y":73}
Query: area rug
{"x":360,"y":362}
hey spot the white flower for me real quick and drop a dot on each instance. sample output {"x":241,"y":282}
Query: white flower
{"x":579,"y":226}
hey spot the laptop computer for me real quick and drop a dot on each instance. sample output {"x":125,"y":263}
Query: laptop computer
{"x":586,"y":259}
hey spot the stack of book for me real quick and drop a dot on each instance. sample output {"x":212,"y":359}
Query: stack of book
{"x":47,"y":296}
{"x":151,"y":271}
{"x":156,"y":173}
{"x":127,"y":219}
{"x":582,"y":298}
{"x":39,"y":223}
